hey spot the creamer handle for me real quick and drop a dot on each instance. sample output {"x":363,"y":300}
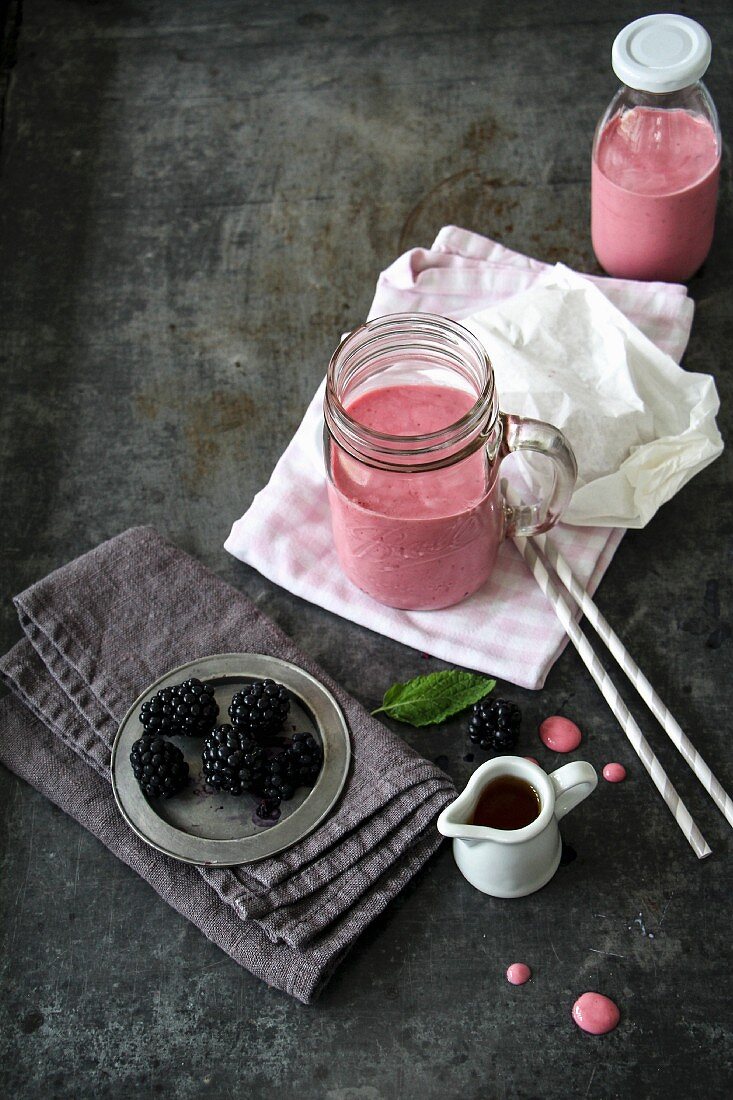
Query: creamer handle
{"x":573,"y":782}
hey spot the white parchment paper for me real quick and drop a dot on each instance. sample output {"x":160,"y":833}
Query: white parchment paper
{"x":639,"y":424}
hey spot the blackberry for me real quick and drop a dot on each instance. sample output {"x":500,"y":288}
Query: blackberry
{"x":188,"y":708}
{"x":303,"y":760}
{"x":158,"y":766}
{"x":196,"y":709}
{"x":273,"y":785}
{"x":158,"y":714}
{"x":495,"y":725}
{"x":260,"y":708}
{"x":232,"y":761}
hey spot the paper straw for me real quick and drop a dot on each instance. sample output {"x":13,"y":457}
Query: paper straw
{"x":638,"y":742}
{"x":666,"y":719}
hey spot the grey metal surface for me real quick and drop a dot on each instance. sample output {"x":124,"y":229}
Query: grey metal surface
{"x":203,"y":826}
{"x":195,"y":201}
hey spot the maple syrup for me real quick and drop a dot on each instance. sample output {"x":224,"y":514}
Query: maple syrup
{"x":507,"y":803}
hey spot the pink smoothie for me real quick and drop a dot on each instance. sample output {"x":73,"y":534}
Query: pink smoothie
{"x":518,"y":973}
{"x":654,"y":189}
{"x":415,"y":540}
{"x":595,"y":1013}
{"x":560,"y":734}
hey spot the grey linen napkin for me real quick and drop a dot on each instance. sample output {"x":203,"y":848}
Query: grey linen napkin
{"x":97,"y":632}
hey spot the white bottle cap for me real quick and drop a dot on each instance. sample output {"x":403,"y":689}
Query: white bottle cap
{"x":661,"y":53}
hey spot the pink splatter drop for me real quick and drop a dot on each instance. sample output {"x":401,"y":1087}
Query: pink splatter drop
{"x":560,"y":734}
{"x":614,"y":773}
{"x":595,"y":1013}
{"x":518,"y":973}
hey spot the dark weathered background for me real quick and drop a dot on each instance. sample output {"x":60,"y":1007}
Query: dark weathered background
{"x":196,"y":199}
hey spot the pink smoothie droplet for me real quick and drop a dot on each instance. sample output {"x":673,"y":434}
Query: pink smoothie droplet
{"x":560,"y":734}
{"x":518,"y":973}
{"x":614,"y":773}
{"x":595,"y":1013}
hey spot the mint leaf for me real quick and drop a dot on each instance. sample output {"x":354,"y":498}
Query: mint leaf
{"x":426,"y":700}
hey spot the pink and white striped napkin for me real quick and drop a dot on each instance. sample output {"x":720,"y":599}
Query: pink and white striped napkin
{"x":508,"y":629}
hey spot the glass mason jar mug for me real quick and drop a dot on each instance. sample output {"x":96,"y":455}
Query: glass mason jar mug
{"x":413,"y":442}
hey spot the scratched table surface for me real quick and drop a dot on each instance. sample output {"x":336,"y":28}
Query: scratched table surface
{"x":195,"y":201}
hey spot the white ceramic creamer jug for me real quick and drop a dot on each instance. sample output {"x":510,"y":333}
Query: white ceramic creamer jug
{"x":510,"y":863}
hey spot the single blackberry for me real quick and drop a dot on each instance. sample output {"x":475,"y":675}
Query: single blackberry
{"x":187,"y":708}
{"x":158,"y":714}
{"x":278,"y":776}
{"x":195,"y":707}
{"x":158,"y":766}
{"x":273,"y":784}
{"x":495,"y":725}
{"x":303,"y":760}
{"x":260,"y":708}
{"x":232,"y":761}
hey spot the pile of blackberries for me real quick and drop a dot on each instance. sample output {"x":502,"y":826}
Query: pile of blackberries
{"x":235,"y":756}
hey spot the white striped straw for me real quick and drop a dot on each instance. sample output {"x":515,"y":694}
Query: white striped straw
{"x":638,"y":742}
{"x":666,"y":719}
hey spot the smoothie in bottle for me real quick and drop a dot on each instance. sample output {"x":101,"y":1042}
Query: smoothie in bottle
{"x":656,"y":155}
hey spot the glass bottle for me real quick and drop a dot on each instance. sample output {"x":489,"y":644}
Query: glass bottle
{"x":656,"y":154}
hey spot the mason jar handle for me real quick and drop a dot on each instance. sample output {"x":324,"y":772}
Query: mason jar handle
{"x":523,"y":434}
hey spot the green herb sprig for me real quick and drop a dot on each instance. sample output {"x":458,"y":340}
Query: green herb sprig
{"x":427,"y":700}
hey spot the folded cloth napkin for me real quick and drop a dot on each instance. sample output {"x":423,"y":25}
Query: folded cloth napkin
{"x":508,"y":628}
{"x":102,"y":628}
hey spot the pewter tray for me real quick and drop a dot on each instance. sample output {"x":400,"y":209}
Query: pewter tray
{"x":205,"y":827}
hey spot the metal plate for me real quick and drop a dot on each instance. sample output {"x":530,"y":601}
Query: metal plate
{"x":210,"y":828}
